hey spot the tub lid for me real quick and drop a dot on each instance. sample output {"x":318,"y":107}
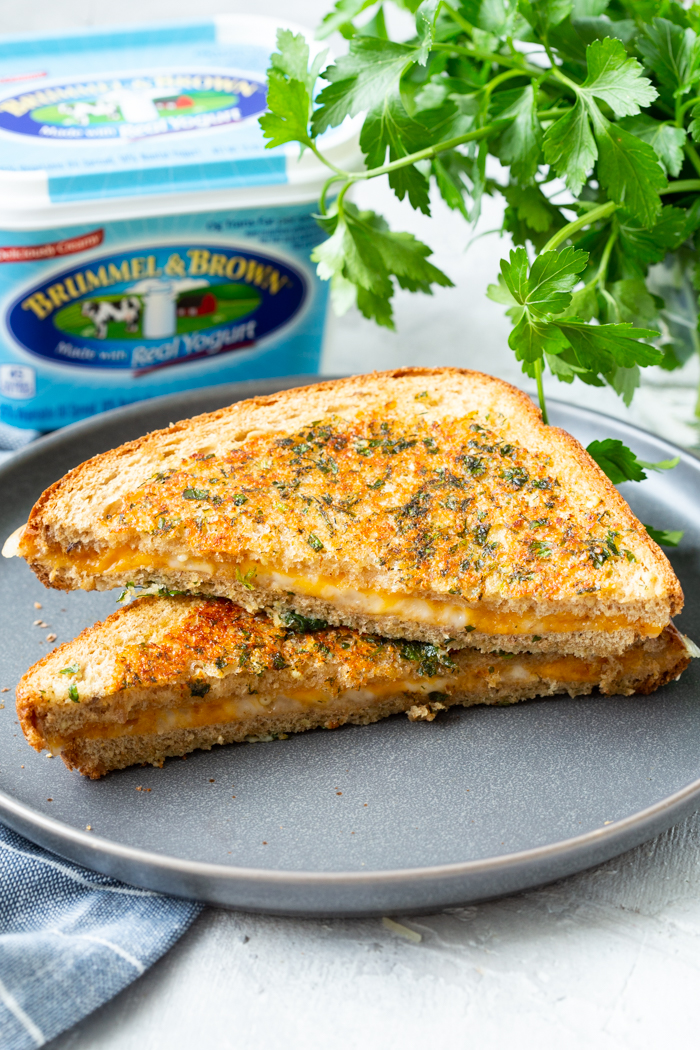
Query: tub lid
{"x":150,"y":109}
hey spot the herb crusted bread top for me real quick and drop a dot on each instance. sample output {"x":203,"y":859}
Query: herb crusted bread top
{"x":425,"y":503}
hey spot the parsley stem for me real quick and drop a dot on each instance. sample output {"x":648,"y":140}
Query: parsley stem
{"x":540,"y":391}
{"x":482,"y":55}
{"x":602,"y":272}
{"x":679,"y":113}
{"x":571,"y":227}
{"x":605,"y":258}
{"x":549,"y":52}
{"x":341,"y":197}
{"x":339,"y":171}
{"x":557,"y":74}
{"x":509,"y":73}
{"x":682,"y":186}
{"x":326,"y":186}
{"x":611,"y":303}
{"x":425,"y":154}
{"x":432,"y":151}
{"x":692,"y":155}
{"x":524,"y":68}
{"x":690,"y":102}
{"x":552,"y":114}
{"x":457,"y":17}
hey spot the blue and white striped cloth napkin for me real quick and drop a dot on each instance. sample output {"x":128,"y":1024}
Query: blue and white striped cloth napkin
{"x":70,"y":939}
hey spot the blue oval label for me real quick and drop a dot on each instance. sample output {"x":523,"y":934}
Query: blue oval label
{"x":133,"y":107}
{"x":150,"y":308}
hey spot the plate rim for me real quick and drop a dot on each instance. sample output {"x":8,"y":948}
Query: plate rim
{"x":679,"y":800}
{"x":614,"y":838}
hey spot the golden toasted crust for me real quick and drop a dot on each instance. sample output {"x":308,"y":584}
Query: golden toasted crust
{"x":158,"y":678}
{"x":437,"y":483}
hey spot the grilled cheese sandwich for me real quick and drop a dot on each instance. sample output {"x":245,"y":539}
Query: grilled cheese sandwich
{"x":425,"y":504}
{"x":163,"y":676}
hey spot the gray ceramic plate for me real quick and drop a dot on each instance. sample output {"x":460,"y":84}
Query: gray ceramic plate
{"x":479,"y":803}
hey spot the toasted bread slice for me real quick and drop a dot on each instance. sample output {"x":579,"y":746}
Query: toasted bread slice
{"x":430,"y":504}
{"x":163,"y":676}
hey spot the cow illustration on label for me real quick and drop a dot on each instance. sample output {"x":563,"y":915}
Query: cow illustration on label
{"x":102,"y":311}
{"x":166,"y":306}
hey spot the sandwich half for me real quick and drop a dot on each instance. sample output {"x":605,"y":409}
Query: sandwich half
{"x":428,"y":504}
{"x":163,"y":676}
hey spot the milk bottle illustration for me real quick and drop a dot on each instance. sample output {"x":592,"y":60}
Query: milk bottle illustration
{"x":137,"y":107}
{"x":160,"y":304}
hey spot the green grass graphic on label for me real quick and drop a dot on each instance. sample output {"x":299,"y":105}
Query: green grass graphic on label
{"x":89,"y":111}
{"x":218,"y":304}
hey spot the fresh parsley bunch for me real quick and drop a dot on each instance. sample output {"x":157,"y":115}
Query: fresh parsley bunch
{"x":603,"y":94}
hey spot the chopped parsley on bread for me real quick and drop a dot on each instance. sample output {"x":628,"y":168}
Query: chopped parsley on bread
{"x":163,"y":676}
{"x":423,"y":504}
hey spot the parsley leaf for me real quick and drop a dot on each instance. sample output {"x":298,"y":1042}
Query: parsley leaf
{"x":292,"y":59}
{"x":495,"y":16}
{"x":246,"y":579}
{"x":289,"y":91}
{"x":632,"y":301}
{"x":288,"y":117}
{"x":543,"y":14}
{"x":538,"y":298}
{"x":552,"y":276}
{"x":641,"y":245}
{"x":533,"y":207}
{"x":361,"y":79}
{"x":570,"y":148}
{"x":601,"y":347}
{"x":624,"y":381}
{"x":672,"y":52}
{"x":388,"y":126}
{"x":546,"y":288}
{"x":615,"y":78}
{"x":449,"y":170}
{"x":425,"y":27}
{"x":616,"y":460}
{"x":694,"y":127}
{"x":365,"y":253}
{"x":521,"y":143}
{"x":530,"y":217}
{"x":530,"y":339}
{"x":663,"y":537}
{"x":628,"y":168}
{"x":663,"y":464}
{"x":584,"y":304}
{"x":340,"y":18}
{"x":666,"y":140}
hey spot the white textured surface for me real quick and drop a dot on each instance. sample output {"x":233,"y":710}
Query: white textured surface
{"x":607,"y":959}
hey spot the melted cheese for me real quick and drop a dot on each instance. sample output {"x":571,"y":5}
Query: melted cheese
{"x":451,"y":615}
{"x":516,"y":672}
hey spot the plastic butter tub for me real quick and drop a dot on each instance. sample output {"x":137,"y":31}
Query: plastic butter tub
{"x":149,"y":243}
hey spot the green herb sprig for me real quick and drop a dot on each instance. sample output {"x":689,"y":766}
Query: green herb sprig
{"x":603,"y":94}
